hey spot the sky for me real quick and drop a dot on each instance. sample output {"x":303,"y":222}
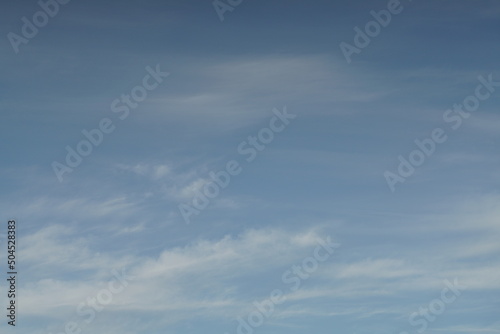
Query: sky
{"x":240,"y":167}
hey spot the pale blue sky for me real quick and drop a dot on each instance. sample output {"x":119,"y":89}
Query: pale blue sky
{"x":323,"y":175}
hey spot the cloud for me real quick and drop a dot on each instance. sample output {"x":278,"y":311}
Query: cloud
{"x":241,"y":91}
{"x":379,"y":268}
{"x":155,"y":172}
{"x":200,"y":276}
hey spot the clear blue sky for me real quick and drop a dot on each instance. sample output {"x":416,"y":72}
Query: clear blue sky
{"x":323,"y":174}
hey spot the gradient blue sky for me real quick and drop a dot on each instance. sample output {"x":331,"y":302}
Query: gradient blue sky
{"x":322,"y":176}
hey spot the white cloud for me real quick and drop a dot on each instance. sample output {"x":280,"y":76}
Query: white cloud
{"x":240,"y":92}
{"x":189,"y":272}
{"x":155,"y":172}
{"x":379,"y":268}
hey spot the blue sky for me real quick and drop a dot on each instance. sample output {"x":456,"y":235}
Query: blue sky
{"x":321,"y":176}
